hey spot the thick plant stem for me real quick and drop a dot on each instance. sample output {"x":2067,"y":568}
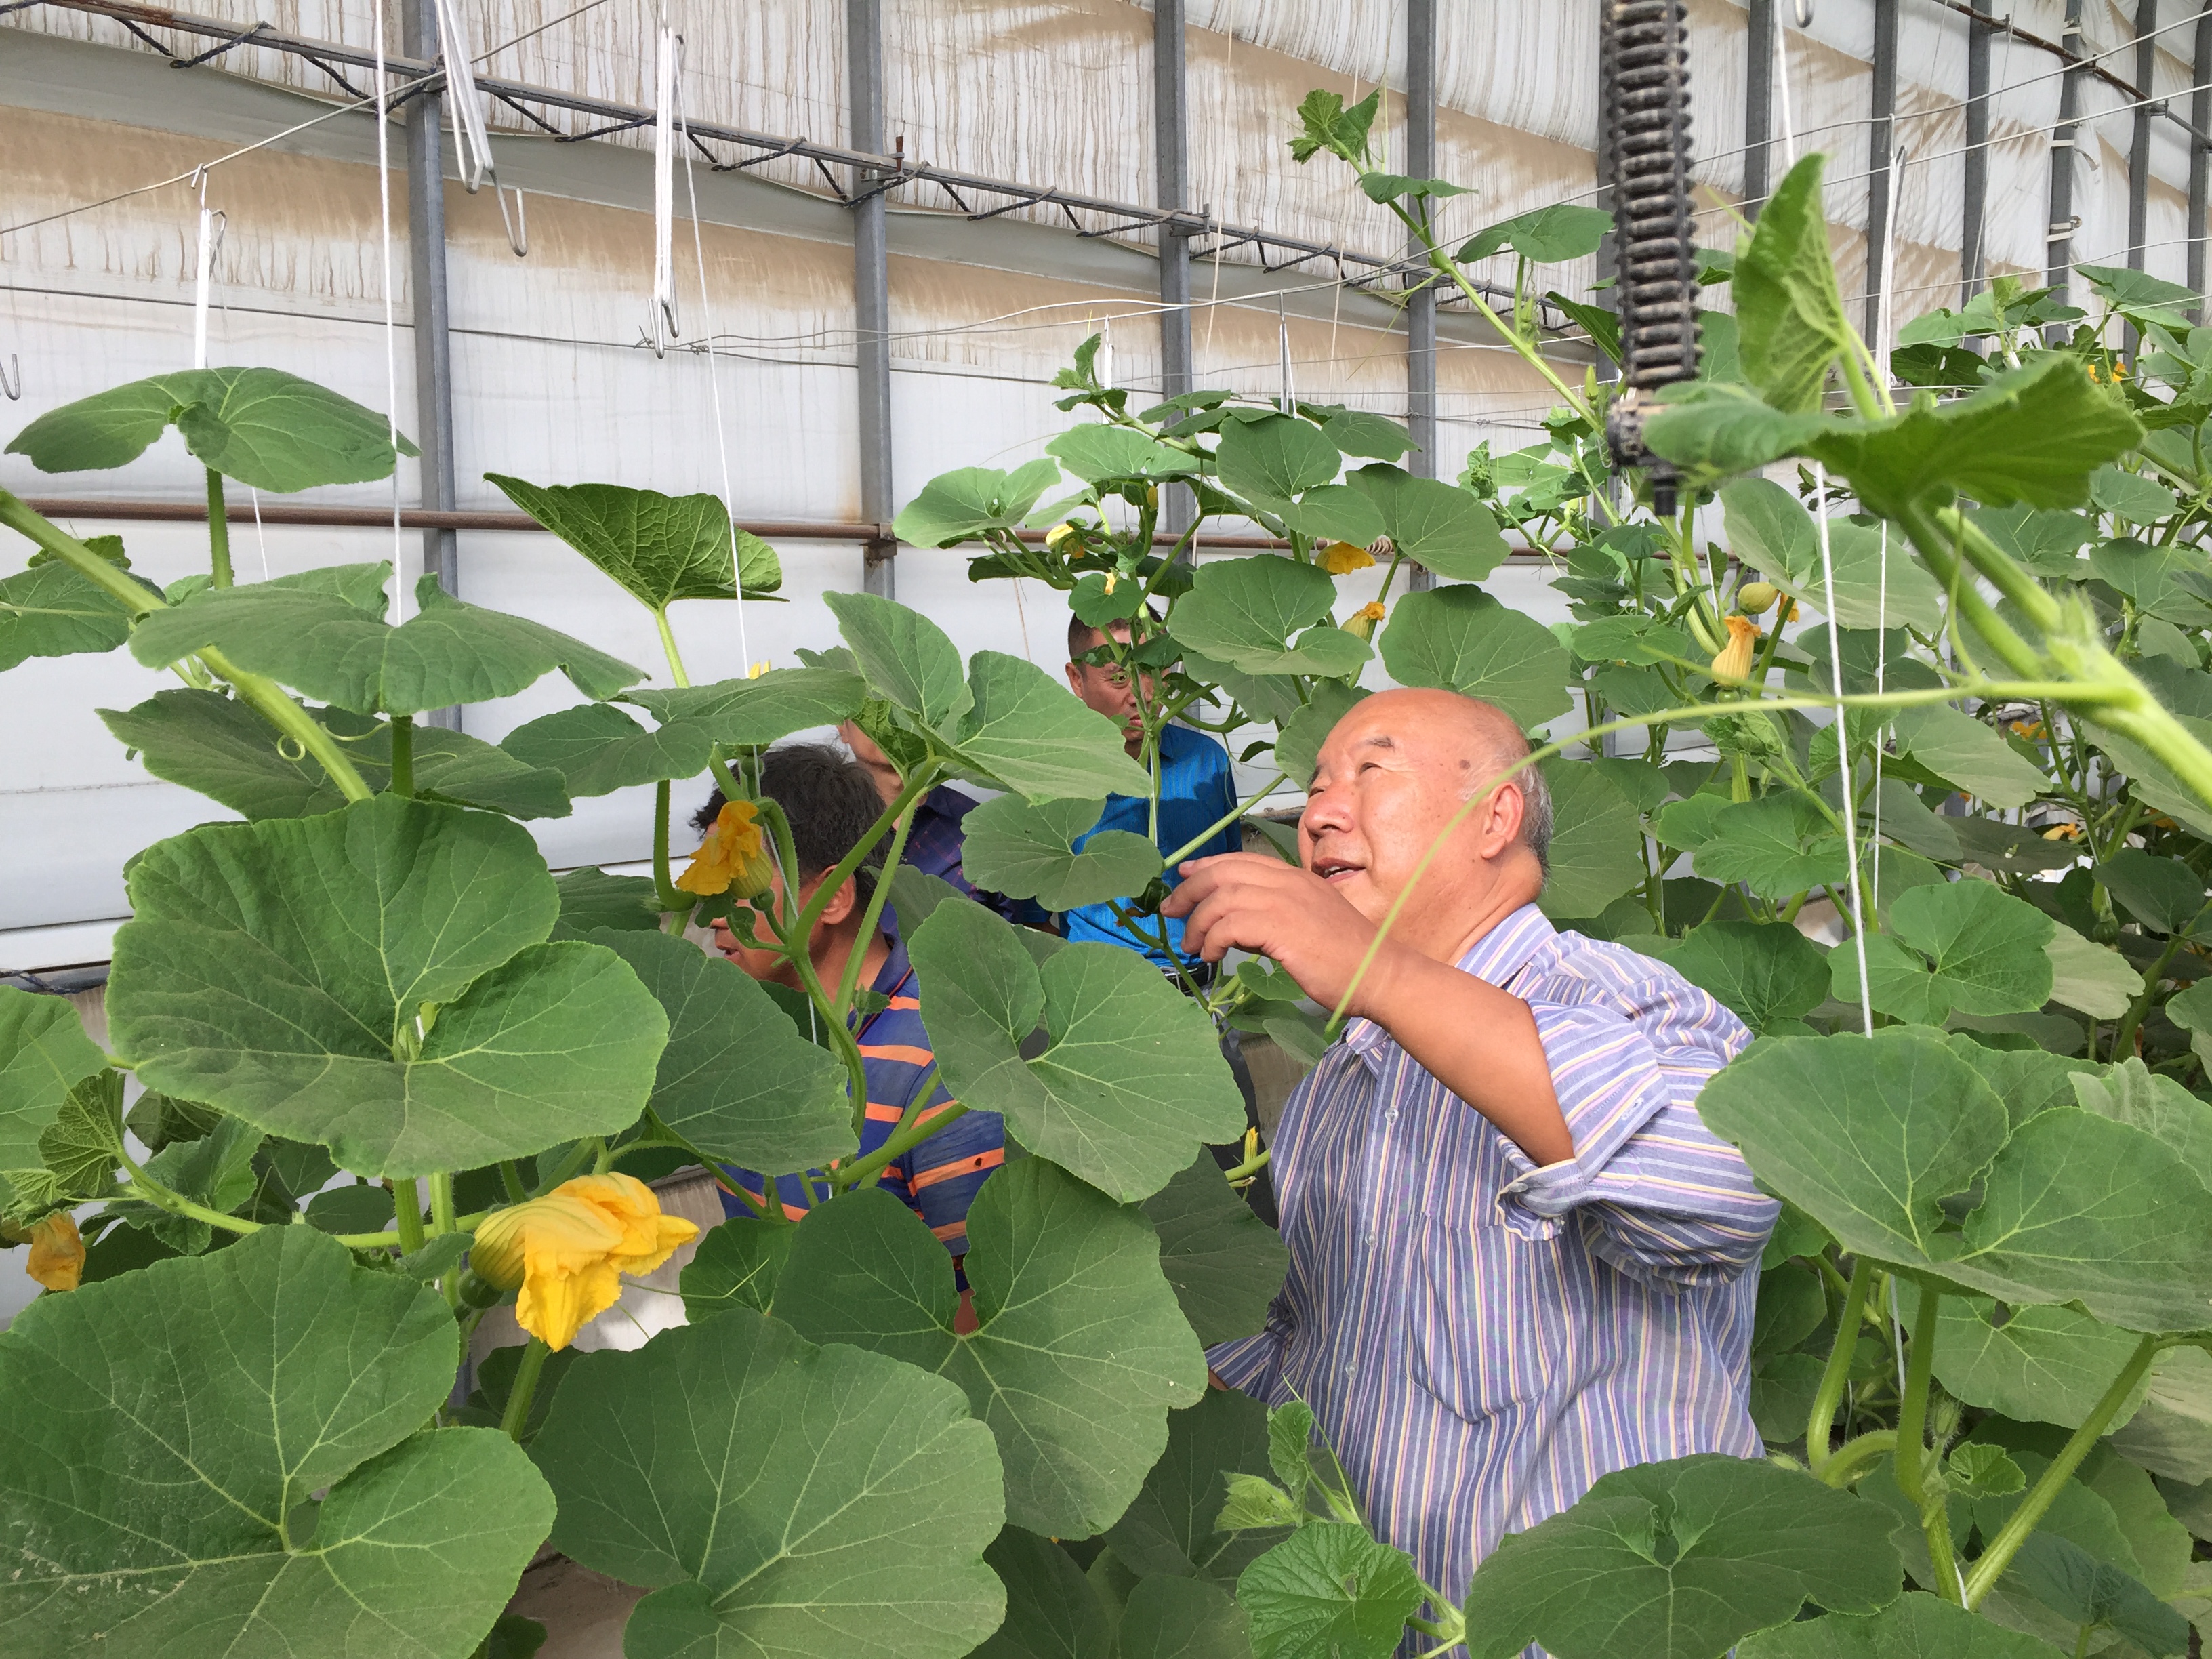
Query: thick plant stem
{"x":1822,"y":1422}
{"x":1914,"y":1459}
{"x":516,"y":1417}
{"x":1222,"y":822}
{"x":511,"y":1178}
{"x":218,"y":530}
{"x":910,"y":1132}
{"x":403,"y":754}
{"x":407,"y":1206}
{"x":1990,"y":1566}
{"x":1850,"y":1459}
{"x":441,"y":1203}
{"x":668,"y":648}
{"x":664,"y":882}
{"x":848,"y":982}
{"x":144,"y":1186}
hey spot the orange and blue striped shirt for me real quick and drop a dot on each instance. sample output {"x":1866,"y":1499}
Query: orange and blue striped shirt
{"x":938,"y":1178}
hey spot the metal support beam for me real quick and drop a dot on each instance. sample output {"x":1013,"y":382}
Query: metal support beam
{"x":2058,"y":258}
{"x":1759,"y":109}
{"x":2139,"y":149}
{"x":2200,"y":112}
{"x":426,"y":274}
{"x":871,"y":287}
{"x":1973,"y":248}
{"x":1171,"y":152}
{"x":1880,"y":176}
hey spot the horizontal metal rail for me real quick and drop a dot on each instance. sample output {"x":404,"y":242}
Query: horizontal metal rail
{"x":870,"y":173}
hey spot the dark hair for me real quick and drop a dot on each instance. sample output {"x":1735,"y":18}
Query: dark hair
{"x":830,"y":800}
{"x":1082,"y":637}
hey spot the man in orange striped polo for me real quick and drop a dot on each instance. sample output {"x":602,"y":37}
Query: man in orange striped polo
{"x":831,"y":802}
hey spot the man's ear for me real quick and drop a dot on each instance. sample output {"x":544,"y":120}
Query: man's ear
{"x":1075,"y":678}
{"x":843,"y":904}
{"x":1501,"y":817}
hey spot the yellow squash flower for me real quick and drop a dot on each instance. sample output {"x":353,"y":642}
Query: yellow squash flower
{"x":1342,"y":558}
{"x":1733,"y":662}
{"x":735,"y":856}
{"x":1058,"y":533}
{"x":1362,"y":622}
{"x":56,"y":1252}
{"x":567,"y":1252}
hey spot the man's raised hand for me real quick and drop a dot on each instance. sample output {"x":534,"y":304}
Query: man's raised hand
{"x":1250,"y":902}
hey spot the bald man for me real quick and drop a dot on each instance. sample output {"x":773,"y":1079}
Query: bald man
{"x":1519,"y":1259}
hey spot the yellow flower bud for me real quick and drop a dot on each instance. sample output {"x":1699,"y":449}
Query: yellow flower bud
{"x":1753,"y":598}
{"x":1152,"y":497}
{"x":735,"y":856}
{"x":1733,"y":662}
{"x":56,"y":1252}
{"x":1058,"y":533}
{"x":567,"y":1252}
{"x":1342,"y":558}
{"x":1362,"y":622}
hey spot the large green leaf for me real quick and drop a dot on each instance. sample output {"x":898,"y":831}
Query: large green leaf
{"x":2172,"y":1434}
{"x":1778,"y":845}
{"x":1098,"y":451}
{"x":1225,"y":1262}
{"x":2041,"y":1365}
{"x":754,"y":713}
{"x":1869,"y":1136}
{"x":1170,"y":1528}
{"x":1962,"y":750}
{"x":1439,"y":526}
{"x":220,"y":747}
{"x":1914,"y":1627}
{"x":1461,"y":639}
{"x":1764,"y":974}
{"x":597,"y":749}
{"x":1025,"y":731}
{"x":259,"y":426}
{"x":2130,"y":1093}
{"x":371,"y":981}
{"x":2163,"y":893}
{"x":737,"y":1080}
{"x":2033,"y":434}
{"x":783,"y":1499}
{"x":168,"y":1496}
{"x":1276,"y":458}
{"x":1023,"y":852}
{"x":49,"y":610}
{"x":905,"y":656}
{"x":1243,"y":612}
{"x":1596,"y":853}
{"x":1962,"y":946}
{"x":1297,"y":743}
{"x":660,"y":549}
{"x":1878,"y":582}
{"x":319,"y":644}
{"x":1330,"y":1590}
{"x":1051,"y":1611}
{"x":1168,"y":1617}
{"x":1130,"y":1078}
{"x":955,"y":505}
{"x":1679,"y":1560}
{"x":1079,"y":1352}
{"x":1548,"y":235}
{"x":1789,"y":314}
{"x":44,"y":1054}
{"x":2083,"y":1590}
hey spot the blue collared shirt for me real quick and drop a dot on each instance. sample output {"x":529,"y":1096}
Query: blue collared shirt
{"x":1480,"y":1339}
{"x":1196,"y":791}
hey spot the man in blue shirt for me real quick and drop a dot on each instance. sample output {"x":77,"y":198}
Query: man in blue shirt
{"x":1197,"y":793}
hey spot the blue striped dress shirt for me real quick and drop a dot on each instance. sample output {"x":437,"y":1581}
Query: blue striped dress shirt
{"x":1480,"y":1339}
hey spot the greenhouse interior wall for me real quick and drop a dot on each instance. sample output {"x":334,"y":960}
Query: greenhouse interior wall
{"x":108,"y":153}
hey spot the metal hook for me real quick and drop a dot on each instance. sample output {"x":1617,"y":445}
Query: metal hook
{"x":13,"y":391}
{"x":1804,"y":13}
{"x":518,"y":228}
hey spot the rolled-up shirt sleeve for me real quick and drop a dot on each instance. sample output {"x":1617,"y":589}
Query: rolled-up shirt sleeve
{"x":1660,"y":1195}
{"x":1254,"y":1364}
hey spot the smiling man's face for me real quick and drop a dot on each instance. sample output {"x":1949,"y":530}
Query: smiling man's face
{"x":1392,"y":776}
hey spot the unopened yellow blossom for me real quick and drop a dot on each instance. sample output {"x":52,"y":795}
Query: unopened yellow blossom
{"x":1058,"y":533}
{"x":1756,"y":598}
{"x":56,"y":1252}
{"x":2063,"y":832}
{"x":1363,"y":621}
{"x":735,"y":856}
{"x":1733,"y":662}
{"x":1342,"y":558}
{"x":566,"y":1253}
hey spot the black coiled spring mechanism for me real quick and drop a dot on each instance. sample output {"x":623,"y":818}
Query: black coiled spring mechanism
{"x":1647,"y":135}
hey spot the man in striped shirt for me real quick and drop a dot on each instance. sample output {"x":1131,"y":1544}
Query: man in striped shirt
{"x":1519,"y":1259}
{"x":830,"y":803}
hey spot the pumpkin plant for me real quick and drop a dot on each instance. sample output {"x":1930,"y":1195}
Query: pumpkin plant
{"x":386,"y":1070}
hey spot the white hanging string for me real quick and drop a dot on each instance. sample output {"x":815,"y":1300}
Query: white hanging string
{"x":1105,"y":363}
{"x":1283,"y":343}
{"x":1884,"y":327}
{"x":474,"y":142}
{"x":664,"y":321}
{"x":390,"y":326}
{"x":210,"y":226}
{"x":714,"y":393}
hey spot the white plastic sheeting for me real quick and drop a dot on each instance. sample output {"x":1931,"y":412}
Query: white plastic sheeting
{"x":551,"y":382}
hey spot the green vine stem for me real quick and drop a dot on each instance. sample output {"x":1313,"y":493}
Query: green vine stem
{"x":1850,"y":1459}
{"x":516,"y":1417}
{"x":1222,"y":822}
{"x":793,"y":934}
{"x":664,"y":893}
{"x":407,"y":1208}
{"x":441,"y":1203}
{"x":848,"y":981}
{"x":265,"y":695}
{"x":1914,"y":1462}
{"x":403,"y":754}
{"x":218,"y":530}
{"x":1820,"y":1424}
{"x":668,"y":646}
{"x":1990,"y":1566}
